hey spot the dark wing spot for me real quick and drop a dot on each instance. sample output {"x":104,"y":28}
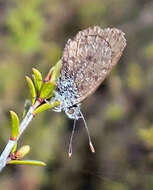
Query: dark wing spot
{"x":89,"y":58}
{"x":96,"y":77}
{"x":95,"y":60}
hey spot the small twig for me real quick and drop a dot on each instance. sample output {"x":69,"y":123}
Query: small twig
{"x":4,"y":157}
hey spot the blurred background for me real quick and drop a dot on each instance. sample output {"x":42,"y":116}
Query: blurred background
{"x":119,"y":115}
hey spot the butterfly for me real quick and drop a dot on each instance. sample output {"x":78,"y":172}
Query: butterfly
{"x":87,"y":59}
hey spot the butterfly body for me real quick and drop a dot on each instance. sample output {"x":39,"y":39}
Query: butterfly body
{"x":67,"y":96}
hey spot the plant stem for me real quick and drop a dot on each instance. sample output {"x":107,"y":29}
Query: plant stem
{"x":4,"y":157}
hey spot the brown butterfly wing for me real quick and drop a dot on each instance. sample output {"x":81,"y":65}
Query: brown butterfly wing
{"x":90,"y":57}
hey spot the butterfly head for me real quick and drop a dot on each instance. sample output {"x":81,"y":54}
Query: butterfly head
{"x":73,"y":112}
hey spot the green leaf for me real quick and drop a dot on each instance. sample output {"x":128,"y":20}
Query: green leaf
{"x":24,"y":150}
{"x":48,"y":77}
{"x":45,"y":107}
{"x":27,"y":105}
{"x":32,"y":89}
{"x":14,"y":148}
{"x":34,"y":80}
{"x":15,"y":125}
{"x":42,"y":108}
{"x":56,"y":71}
{"x":47,"y":90}
{"x":27,"y":162}
{"x":38,"y":79}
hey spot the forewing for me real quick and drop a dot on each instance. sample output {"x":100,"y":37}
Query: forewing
{"x":89,"y":58}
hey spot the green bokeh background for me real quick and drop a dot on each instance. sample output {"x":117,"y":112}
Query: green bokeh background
{"x":119,"y":114}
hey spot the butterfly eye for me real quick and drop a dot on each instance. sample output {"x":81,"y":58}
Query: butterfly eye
{"x":71,"y":111}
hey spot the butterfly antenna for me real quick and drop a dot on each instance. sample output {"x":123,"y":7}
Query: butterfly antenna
{"x":89,"y":138}
{"x":71,"y":139}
